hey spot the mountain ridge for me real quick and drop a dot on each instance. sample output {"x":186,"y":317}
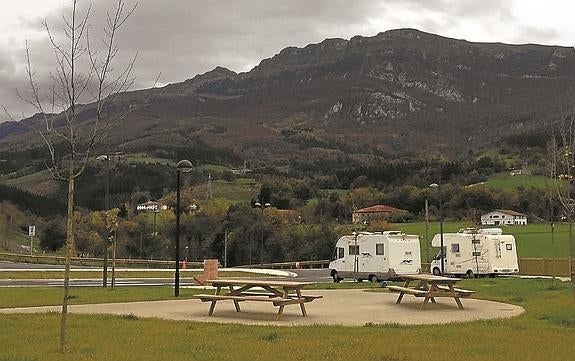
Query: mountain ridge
{"x":402,"y":91}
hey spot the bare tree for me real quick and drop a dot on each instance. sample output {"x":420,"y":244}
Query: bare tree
{"x":82,"y":74}
{"x":562,"y":159}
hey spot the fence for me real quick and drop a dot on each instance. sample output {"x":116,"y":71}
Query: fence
{"x":93,"y":262}
{"x":527,"y":266}
{"x":545,"y":266}
{"x":292,"y":265}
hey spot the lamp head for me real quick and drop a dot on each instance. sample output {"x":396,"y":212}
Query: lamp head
{"x":184,"y":166}
{"x":434,"y":185}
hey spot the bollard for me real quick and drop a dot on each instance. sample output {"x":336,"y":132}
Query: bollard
{"x":210,"y":269}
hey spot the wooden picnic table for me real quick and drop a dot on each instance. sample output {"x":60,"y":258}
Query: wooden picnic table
{"x":430,"y":287}
{"x":279,"y":293}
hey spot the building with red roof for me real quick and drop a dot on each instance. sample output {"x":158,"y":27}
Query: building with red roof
{"x":378,"y":211}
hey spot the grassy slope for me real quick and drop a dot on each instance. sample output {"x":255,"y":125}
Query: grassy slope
{"x":545,"y":330}
{"x":40,"y":182}
{"x":505,"y":181}
{"x":240,"y":190}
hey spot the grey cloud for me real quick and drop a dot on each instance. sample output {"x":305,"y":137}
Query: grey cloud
{"x":183,"y":38}
{"x":190,"y":37}
{"x":537,"y":35}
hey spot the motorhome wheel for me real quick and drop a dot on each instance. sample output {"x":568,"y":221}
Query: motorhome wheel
{"x":469,"y":274}
{"x":336,"y":277}
{"x":436,"y":271}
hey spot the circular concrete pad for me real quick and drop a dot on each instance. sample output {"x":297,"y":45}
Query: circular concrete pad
{"x":337,"y":307}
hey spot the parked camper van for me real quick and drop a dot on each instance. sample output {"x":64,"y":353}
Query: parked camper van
{"x":375,"y":256}
{"x":473,"y":251}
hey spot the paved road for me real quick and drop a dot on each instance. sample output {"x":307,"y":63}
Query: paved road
{"x":13,"y":265}
{"x":309,"y":275}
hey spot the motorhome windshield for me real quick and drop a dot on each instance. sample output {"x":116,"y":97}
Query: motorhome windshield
{"x":438,"y":256}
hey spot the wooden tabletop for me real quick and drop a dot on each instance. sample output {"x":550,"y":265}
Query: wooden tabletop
{"x":430,"y":278}
{"x":256,"y":282}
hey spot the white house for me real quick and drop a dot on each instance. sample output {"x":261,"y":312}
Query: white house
{"x":501,"y":217}
{"x":150,"y":206}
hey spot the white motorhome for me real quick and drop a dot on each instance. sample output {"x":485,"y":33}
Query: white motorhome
{"x":473,"y":251}
{"x":375,"y":256}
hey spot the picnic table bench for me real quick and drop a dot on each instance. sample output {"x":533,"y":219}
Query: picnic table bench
{"x":279,"y":293}
{"x":431,"y":287}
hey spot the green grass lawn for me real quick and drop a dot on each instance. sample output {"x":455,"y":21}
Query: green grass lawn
{"x":545,"y":330}
{"x":50,"y":296}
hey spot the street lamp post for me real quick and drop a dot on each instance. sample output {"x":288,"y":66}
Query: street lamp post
{"x":106,"y":158}
{"x":355,"y":257}
{"x":441,"y":252}
{"x":156,"y":211}
{"x":427,"y":233}
{"x":183,"y":166}
{"x":226,"y":235}
{"x":262,"y":207}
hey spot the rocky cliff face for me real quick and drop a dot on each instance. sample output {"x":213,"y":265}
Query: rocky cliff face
{"x":409,"y":81}
{"x":399,"y":91}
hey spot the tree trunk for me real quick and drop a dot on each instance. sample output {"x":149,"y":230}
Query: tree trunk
{"x":69,"y":250}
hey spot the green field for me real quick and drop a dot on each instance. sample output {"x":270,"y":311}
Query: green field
{"x":504,"y":181}
{"x":29,"y":178}
{"x":147,"y":159}
{"x":533,"y":240}
{"x":240,"y":190}
{"x":546,"y":329}
{"x":213,"y":168}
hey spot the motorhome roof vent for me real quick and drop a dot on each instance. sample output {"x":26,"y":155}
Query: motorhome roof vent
{"x":493,"y":231}
{"x":468,"y":230}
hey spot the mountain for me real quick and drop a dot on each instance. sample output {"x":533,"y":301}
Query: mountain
{"x":401,"y":92}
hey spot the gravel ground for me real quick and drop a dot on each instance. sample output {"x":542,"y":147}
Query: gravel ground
{"x":337,"y":307}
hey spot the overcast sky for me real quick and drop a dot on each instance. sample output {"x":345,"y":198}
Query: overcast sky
{"x":182,"y":38}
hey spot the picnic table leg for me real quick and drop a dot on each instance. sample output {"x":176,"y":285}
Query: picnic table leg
{"x":281,"y":309}
{"x":457,"y":300}
{"x":280,"y":313}
{"x":301,"y":305}
{"x":400,"y":297}
{"x":236,"y":303}
{"x":459,"y":304}
{"x":213,"y":304}
{"x":425,"y":302}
